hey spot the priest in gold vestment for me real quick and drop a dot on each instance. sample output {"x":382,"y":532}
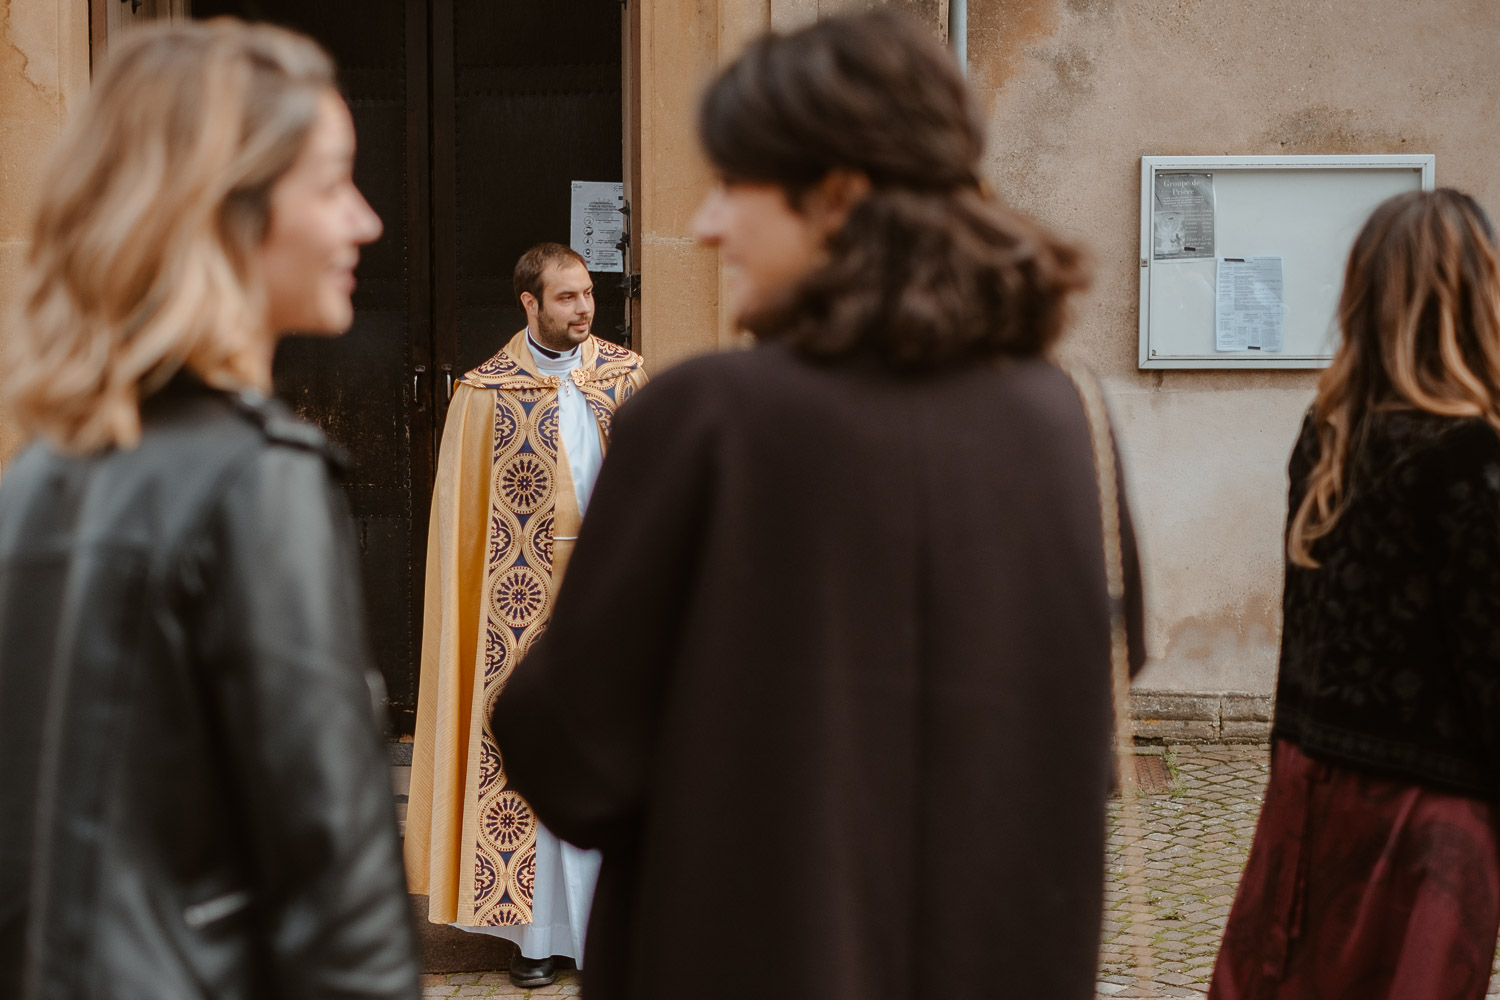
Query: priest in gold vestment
{"x":523,"y":441}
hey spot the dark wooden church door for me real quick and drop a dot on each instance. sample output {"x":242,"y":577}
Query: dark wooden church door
{"x":473,"y":118}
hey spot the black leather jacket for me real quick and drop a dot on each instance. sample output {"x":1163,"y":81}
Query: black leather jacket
{"x":194,"y":800}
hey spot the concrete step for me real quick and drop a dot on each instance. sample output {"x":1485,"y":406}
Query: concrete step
{"x":448,"y":949}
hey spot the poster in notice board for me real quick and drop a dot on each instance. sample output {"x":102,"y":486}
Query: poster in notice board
{"x":1182,"y":219}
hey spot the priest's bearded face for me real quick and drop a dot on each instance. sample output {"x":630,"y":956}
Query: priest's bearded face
{"x":767,"y":241}
{"x":561,"y":321}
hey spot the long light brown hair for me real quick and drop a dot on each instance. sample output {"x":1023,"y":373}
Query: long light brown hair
{"x":1420,"y":318}
{"x":155,"y":200}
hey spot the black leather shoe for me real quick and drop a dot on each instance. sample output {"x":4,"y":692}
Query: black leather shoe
{"x":532,"y":971}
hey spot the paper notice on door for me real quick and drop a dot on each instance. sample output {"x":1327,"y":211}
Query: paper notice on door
{"x":1251,"y":307}
{"x":598,"y":224}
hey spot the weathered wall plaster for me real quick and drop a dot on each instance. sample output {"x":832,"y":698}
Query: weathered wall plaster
{"x":44,"y":68}
{"x":1077,"y":92}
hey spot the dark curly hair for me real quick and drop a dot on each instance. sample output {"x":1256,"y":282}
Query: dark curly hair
{"x":928,"y":269}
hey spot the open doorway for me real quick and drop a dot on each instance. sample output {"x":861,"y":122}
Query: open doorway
{"x":473,"y":119}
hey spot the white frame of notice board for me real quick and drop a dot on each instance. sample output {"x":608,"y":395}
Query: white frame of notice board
{"x":1299,"y":214}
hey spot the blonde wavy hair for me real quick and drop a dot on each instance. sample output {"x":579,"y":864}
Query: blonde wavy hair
{"x":154,"y":202}
{"x":1420,"y":318}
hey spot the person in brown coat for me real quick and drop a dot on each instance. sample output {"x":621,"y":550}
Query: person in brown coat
{"x":852,"y":737}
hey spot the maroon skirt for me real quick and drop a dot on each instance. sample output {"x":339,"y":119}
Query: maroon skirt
{"x":1363,"y":888}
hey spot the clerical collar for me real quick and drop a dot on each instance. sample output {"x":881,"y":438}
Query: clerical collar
{"x":546,"y":352}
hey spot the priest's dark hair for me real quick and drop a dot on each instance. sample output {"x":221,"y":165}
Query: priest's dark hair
{"x":929,"y":268}
{"x":534,"y":263}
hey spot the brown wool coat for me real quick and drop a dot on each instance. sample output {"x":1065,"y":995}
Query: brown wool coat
{"x":828,"y":684}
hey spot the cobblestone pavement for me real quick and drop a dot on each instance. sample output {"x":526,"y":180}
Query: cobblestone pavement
{"x":1196,"y":827}
{"x":1196,"y":833}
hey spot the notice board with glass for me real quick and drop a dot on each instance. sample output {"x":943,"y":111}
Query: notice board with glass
{"x":1242,"y":257}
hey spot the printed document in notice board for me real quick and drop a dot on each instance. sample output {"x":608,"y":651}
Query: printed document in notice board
{"x":1182,"y":216}
{"x":1250,"y":313}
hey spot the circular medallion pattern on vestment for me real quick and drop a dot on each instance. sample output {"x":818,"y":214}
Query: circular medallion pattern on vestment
{"x":497,"y":648}
{"x":524,"y":483}
{"x":539,"y":539}
{"x":547,"y":428}
{"x":523,"y":868}
{"x":489,"y":764}
{"x":603,"y":411}
{"x":506,"y":914}
{"x":508,"y":821}
{"x":519,"y":596}
{"x":506,"y":426}
{"x":486,"y":877}
{"x":500,"y":539}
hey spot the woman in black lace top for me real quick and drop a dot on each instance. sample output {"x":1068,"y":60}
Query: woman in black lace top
{"x":1375,"y":870}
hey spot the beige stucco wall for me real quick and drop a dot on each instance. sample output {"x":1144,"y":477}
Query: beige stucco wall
{"x":1078,"y":91}
{"x":44,"y":67}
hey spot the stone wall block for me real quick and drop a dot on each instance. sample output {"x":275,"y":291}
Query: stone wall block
{"x":789,"y":15}
{"x":44,"y":60}
{"x":1174,"y":716}
{"x":1177,"y":716}
{"x":12,"y":259}
{"x":1237,"y":707}
{"x":1174,"y":706}
{"x":676,"y":327}
{"x":25,"y":144}
{"x":933,"y":13}
{"x":1176,"y":730}
{"x":1245,"y":731}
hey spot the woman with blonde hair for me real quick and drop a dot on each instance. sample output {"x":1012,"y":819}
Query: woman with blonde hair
{"x":194,"y":800}
{"x":1375,"y":870}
